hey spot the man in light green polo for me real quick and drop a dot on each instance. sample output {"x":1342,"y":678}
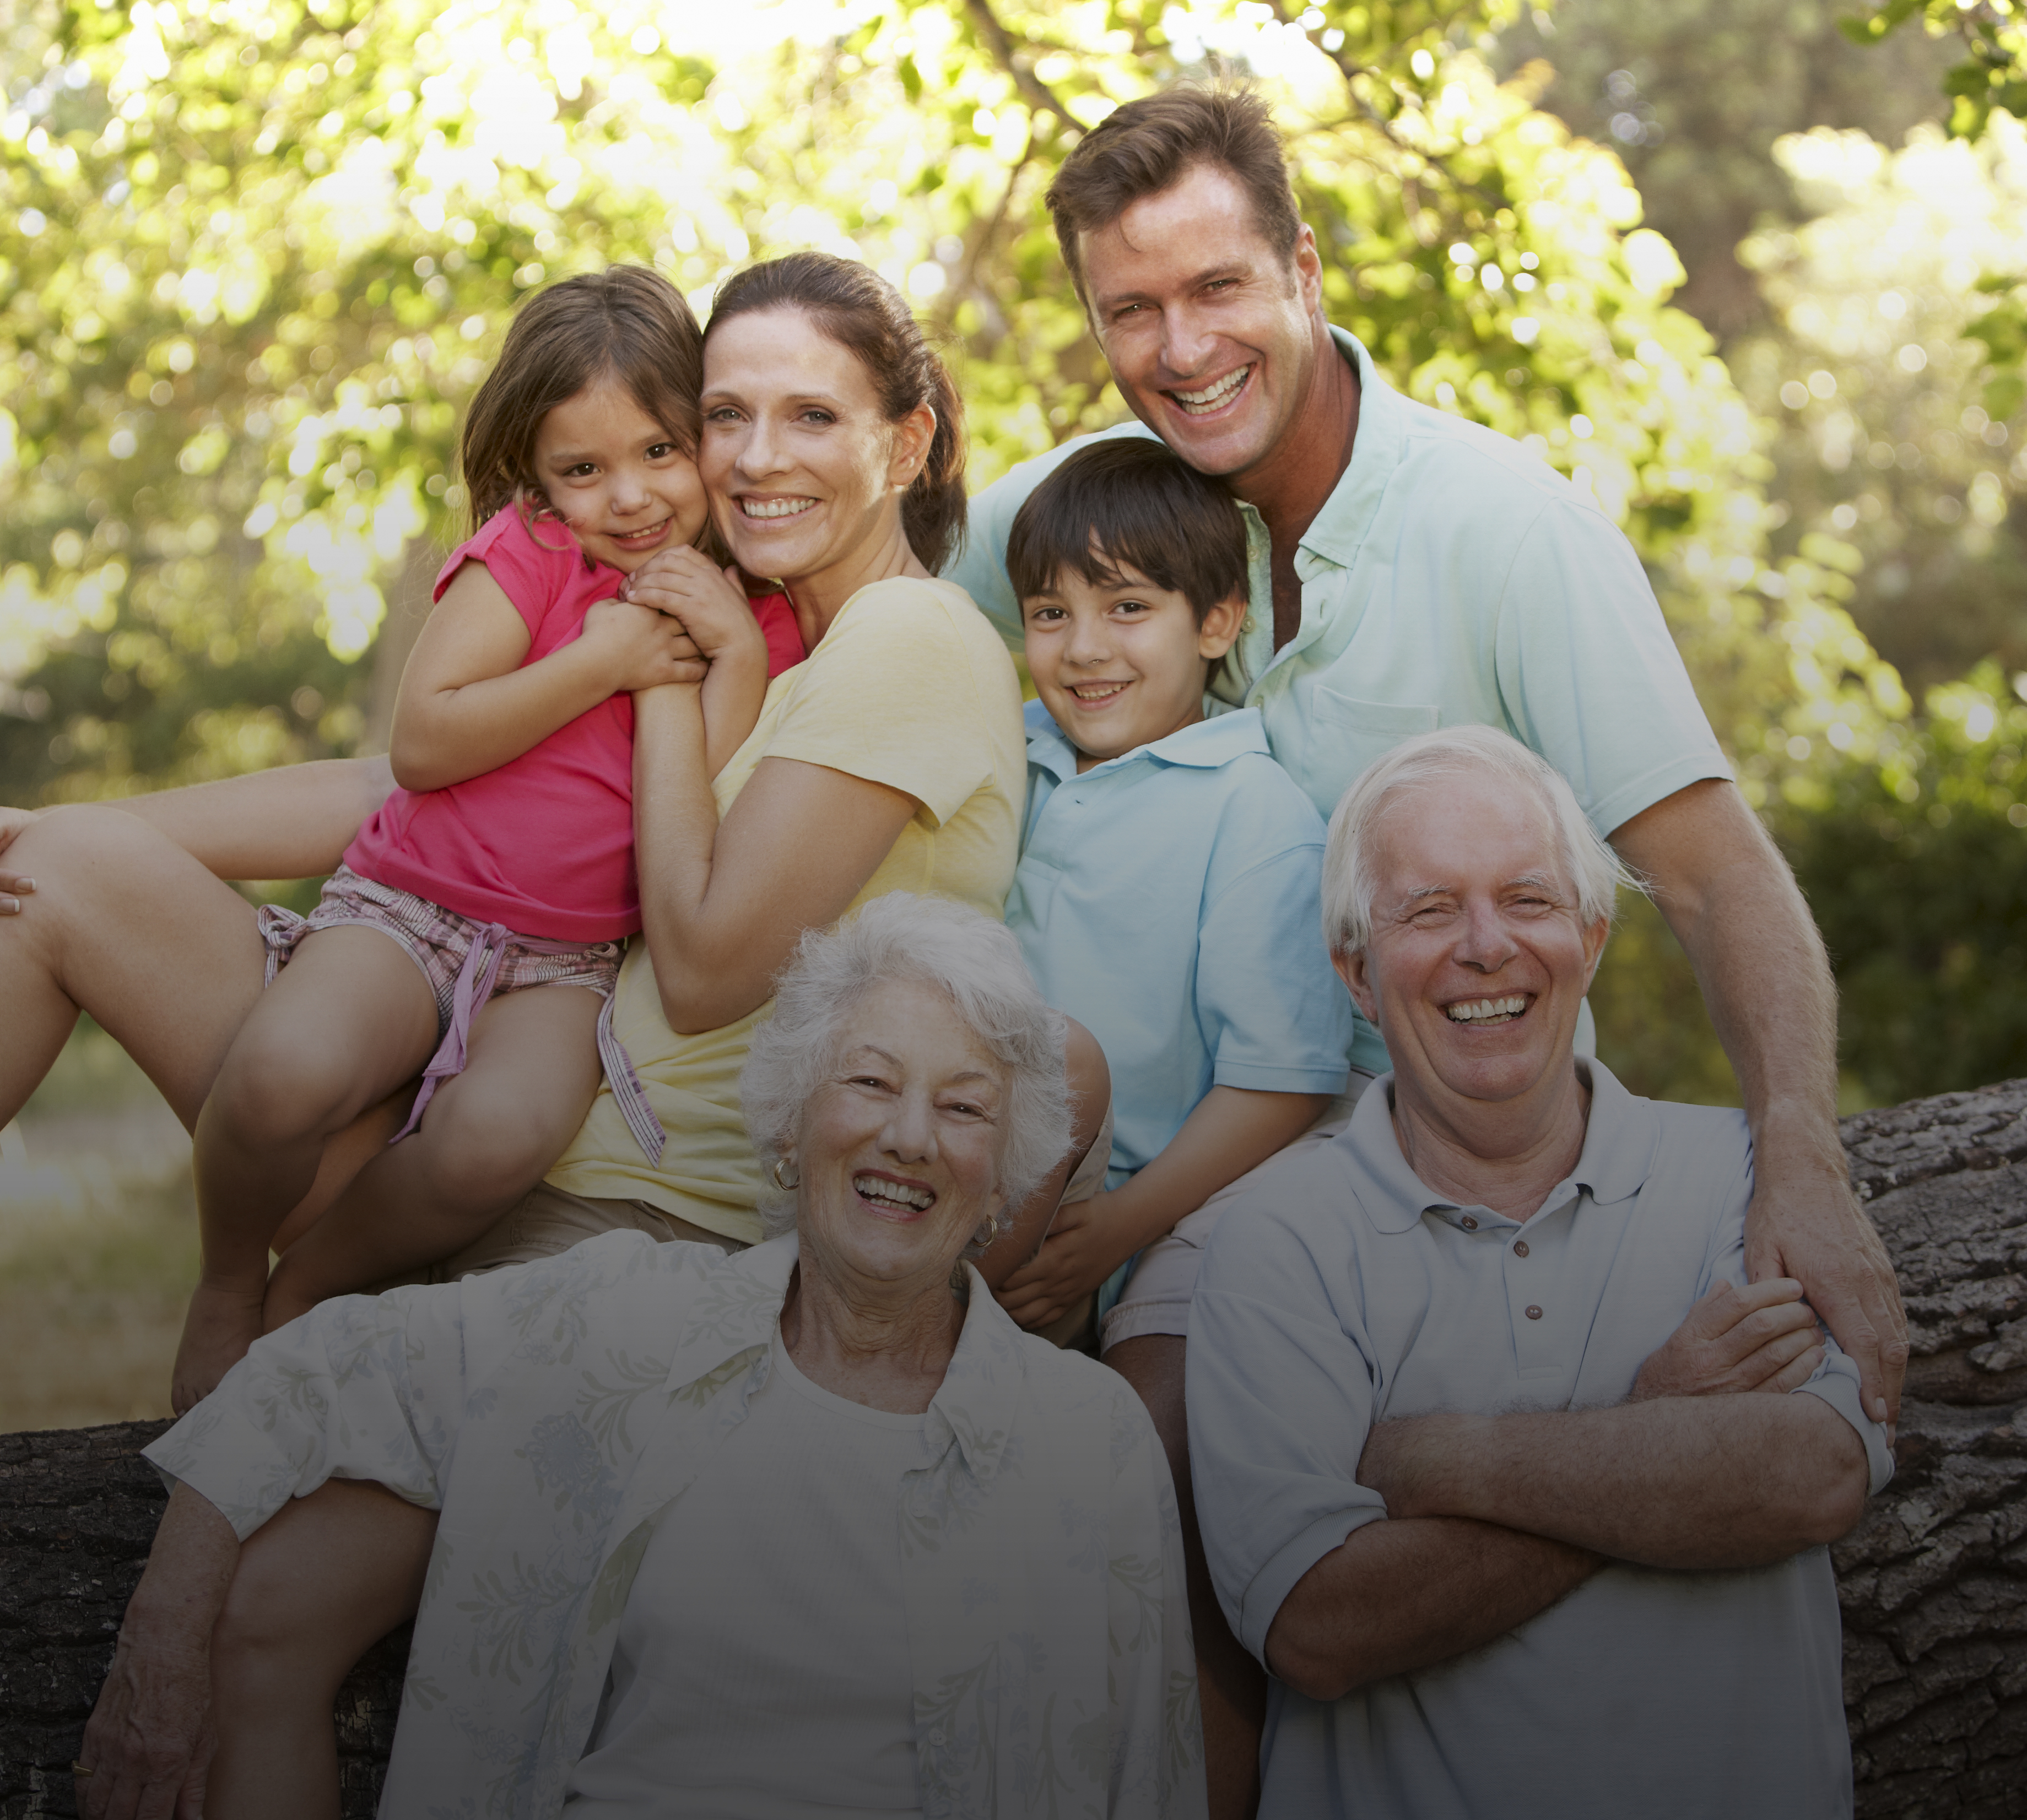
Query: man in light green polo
{"x":1408,"y":571}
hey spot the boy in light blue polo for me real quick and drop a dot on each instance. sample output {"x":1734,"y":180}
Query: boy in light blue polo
{"x":1167,"y":895}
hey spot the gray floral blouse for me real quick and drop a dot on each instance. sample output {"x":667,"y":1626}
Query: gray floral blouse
{"x":550,"y":1412}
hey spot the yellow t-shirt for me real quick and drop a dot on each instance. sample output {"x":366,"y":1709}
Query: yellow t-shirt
{"x":911,"y":688}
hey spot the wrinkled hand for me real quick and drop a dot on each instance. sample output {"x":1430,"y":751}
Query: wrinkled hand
{"x":1812,"y":1228}
{"x":1079,"y":1253}
{"x":14,"y":885}
{"x":710,"y":602}
{"x":150,"y":1740}
{"x":1763,"y":1338}
{"x":641,"y":649}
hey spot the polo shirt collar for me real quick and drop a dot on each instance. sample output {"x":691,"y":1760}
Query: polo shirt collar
{"x":1339,"y":528}
{"x":1620,"y":1139}
{"x":976,"y":1405}
{"x":1204,"y":746}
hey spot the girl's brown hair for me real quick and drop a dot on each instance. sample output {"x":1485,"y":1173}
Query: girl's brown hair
{"x":854,"y":306}
{"x":626,"y":323}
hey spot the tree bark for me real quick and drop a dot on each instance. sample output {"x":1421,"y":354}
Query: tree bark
{"x":1934,"y":1582}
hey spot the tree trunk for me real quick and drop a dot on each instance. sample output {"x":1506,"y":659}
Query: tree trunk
{"x":1934,"y":1582}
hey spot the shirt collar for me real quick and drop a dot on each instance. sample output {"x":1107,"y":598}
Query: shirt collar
{"x":1620,"y":1139}
{"x":975,"y":1406}
{"x":1206,"y":745}
{"x":1340,"y":527}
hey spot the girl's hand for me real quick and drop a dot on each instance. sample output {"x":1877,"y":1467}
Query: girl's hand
{"x":711,"y":605}
{"x":1082,"y":1249}
{"x":639,"y":647}
{"x":14,"y":885}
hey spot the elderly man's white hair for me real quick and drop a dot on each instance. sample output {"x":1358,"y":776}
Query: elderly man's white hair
{"x":972,"y":960}
{"x":1350,"y":880}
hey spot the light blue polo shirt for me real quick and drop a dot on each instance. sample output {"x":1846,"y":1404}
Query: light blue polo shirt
{"x":1168,"y":900}
{"x":1451,"y":579}
{"x":1341,"y":1292}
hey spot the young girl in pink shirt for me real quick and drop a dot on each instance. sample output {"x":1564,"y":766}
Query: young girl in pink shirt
{"x":504,"y":865}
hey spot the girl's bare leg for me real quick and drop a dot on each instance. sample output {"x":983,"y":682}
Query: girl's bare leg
{"x":350,"y":1019}
{"x":124,"y":924}
{"x":489,"y":1135}
{"x":317,"y":1586}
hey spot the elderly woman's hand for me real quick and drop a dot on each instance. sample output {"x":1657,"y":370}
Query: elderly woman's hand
{"x":148,"y":1744}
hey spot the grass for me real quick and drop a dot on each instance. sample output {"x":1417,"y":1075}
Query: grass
{"x":97,"y":1244}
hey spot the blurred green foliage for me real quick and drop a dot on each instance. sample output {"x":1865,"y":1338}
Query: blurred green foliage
{"x":1990,"y":38}
{"x":257,"y":255}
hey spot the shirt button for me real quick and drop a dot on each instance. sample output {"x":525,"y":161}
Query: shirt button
{"x":1520,"y":1248}
{"x":1468,"y":1223}
{"x":936,"y":1738}
{"x":1533,"y":1311}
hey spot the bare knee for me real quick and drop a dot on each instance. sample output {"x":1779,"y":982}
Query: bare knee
{"x":485,"y":1152}
{"x":272,"y":1089}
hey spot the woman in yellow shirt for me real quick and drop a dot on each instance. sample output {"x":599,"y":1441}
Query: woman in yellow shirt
{"x":893,"y":757}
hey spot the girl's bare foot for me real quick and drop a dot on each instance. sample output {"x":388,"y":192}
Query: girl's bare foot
{"x":223,"y":1321}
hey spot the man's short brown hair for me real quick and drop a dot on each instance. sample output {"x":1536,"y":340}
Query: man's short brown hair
{"x":1144,"y":147}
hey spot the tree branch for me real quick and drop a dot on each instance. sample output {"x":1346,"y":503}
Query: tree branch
{"x":1032,"y":90}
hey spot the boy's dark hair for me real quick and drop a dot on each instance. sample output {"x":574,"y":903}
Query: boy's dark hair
{"x":859,"y":310}
{"x":1130,"y":499}
{"x":627,"y":324}
{"x":1143,"y":148}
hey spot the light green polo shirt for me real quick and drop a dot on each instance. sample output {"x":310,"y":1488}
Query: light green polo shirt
{"x":1451,"y":579}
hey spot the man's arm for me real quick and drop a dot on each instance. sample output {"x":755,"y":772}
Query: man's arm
{"x":1723,"y":1481}
{"x":1405,"y":1594}
{"x":1734,"y":905}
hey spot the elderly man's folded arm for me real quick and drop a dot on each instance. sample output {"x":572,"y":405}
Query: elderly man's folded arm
{"x":1722,"y":1482}
{"x":1729,"y":897}
{"x":1400,"y":1595}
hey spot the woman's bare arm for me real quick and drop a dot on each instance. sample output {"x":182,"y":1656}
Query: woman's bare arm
{"x":149,"y":1740}
{"x":722,"y":906}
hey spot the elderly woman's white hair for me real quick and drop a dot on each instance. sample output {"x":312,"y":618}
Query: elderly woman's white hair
{"x":976,"y":964}
{"x":1349,"y":878}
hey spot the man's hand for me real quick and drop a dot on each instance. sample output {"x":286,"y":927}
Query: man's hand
{"x":14,"y":885}
{"x":710,"y":604}
{"x":1813,"y":1229}
{"x":1081,"y":1250}
{"x":1760,"y":1338}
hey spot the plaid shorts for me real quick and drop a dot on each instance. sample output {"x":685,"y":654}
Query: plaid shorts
{"x":466,"y":962}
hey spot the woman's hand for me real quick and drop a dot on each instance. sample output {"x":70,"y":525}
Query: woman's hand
{"x":640,"y":648}
{"x":710,"y":604}
{"x":1083,"y":1247}
{"x":1761,"y":1337}
{"x":148,"y":1744}
{"x":14,"y":886}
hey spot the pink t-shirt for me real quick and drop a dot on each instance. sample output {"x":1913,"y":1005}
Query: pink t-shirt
{"x":544,"y":843}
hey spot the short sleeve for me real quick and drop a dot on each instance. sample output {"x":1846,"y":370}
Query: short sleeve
{"x":531,"y":574}
{"x":1275,"y":1017}
{"x":895,"y":694}
{"x":1280,"y":1400}
{"x":1590,"y":674}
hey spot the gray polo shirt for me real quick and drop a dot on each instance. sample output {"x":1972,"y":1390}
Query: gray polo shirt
{"x":1343,"y":1292}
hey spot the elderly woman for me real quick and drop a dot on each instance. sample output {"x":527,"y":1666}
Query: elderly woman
{"x":807,"y":1528}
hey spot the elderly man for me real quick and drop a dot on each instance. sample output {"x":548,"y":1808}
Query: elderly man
{"x":1480,"y":1472}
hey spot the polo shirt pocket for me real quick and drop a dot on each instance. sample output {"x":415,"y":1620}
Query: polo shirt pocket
{"x":1349,"y":734}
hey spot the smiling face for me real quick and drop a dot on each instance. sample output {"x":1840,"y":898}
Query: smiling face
{"x":1121,"y":663}
{"x":617,"y":478}
{"x":1478,"y":960}
{"x":1212,"y":336}
{"x":899,"y":1149}
{"x":804,"y":474}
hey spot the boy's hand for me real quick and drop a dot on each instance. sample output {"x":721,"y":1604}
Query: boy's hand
{"x":710,"y":604}
{"x":1761,"y":1337}
{"x":1082,"y":1249}
{"x":639,"y":648}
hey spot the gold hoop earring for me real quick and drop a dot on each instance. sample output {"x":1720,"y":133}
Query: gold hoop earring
{"x":782,"y":1181}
